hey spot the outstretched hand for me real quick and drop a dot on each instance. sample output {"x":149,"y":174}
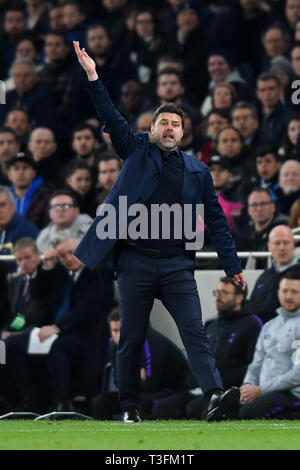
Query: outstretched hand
{"x":86,"y":61}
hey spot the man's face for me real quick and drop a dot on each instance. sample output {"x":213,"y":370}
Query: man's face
{"x":8,"y":146}
{"x":169,"y":87}
{"x":42,"y":144}
{"x":26,"y":48}
{"x":294,"y":130}
{"x":21,"y":175}
{"x":144,"y":24}
{"x":187,"y":21}
{"x":28,"y":260}
{"x":132,"y":96}
{"x":72,"y":16}
{"x":84,"y":142}
{"x":229,"y":143}
{"x":167,"y":131}
{"x":225,"y":297}
{"x":274,"y":42}
{"x":261,"y":208}
{"x":18,"y":120}
{"x":243,"y":120}
{"x":215,"y":124}
{"x":295,"y":55}
{"x":289,"y":294}
{"x":281,"y":245}
{"x":80,"y":181}
{"x":65,"y":254}
{"x":98,"y":41}
{"x":56,"y":18}
{"x":55,"y":48}
{"x":14,"y":23}
{"x":24,"y":78}
{"x":292,"y":11}
{"x":62,"y":211}
{"x":218,"y":68}
{"x":108,"y":173}
{"x":222,"y":97}
{"x":268,"y":92}
{"x":267,"y":166}
{"x":7,"y":211}
{"x":115,"y":331}
{"x":289,"y":177}
{"x":220,"y":175}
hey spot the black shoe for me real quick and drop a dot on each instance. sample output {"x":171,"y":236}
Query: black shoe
{"x":60,"y":406}
{"x":131,"y":416}
{"x":223,"y":405}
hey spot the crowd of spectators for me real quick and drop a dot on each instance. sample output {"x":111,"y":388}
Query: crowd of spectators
{"x":234,"y":68}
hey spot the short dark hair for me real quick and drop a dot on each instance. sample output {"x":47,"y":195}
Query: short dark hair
{"x":266,"y":149}
{"x":265,"y":76}
{"x":107,"y":156}
{"x":291,"y":275}
{"x":168,"y":108}
{"x":82,"y":126}
{"x":26,"y":242}
{"x":59,"y":34}
{"x":237,"y":289}
{"x":260,"y":189}
{"x":245,"y":105}
{"x":8,"y":130}
{"x":75,"y":165}
{"x":171,"y":71}
{"x":114,"y":315}
{"x":65,"y":192}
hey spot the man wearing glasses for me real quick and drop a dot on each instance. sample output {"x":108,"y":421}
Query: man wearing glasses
{"x":65,"y":221}
{"x":262,"y":218}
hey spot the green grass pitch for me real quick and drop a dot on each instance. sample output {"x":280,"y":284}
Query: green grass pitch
{"x":149,"y":435}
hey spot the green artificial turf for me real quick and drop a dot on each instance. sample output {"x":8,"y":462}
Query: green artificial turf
{"x":151,"y":435}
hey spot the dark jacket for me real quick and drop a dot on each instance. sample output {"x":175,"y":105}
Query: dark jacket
{"x":264,"y":298}
{"x":232,"y":338}
{"x":138,"y":179}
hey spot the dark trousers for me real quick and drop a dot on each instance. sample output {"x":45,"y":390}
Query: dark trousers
{"x":141,"y":279}
{"x":278,"y":405}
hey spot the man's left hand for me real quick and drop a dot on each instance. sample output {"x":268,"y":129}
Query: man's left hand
{"x":239,"y":280}
{"x":47,"y":331}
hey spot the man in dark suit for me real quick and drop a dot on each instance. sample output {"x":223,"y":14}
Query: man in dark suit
{"x":157,"y":268}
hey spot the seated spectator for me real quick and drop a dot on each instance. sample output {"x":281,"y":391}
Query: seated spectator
{"x":215,"y":121}
{"x":14,"y":26}
{"x":271,"y":386}
{"x":276,"y":41}
{"x":191,"y":44}
{"x":37,"y":16}
{"x":232,"y":337}
{"x":263,"y":300}
{"x":56,"y":19}
{"x":77,"y":301}
{"x":295,"y":57}
{"x":288,"y":150}
{"x":226,"y":188}
{"x":12,"y":225}
{"x":113,"y":14}
{"x":4,"y":302}
{"x":48,"y":157}
{"x":65,"y":220}
{"x":289,"y":183}
{"x":245,"y":119}
{"x":85,"y":144}
{"x":30,"y":192}
{"x":223,"y":96}
{"x":253,"y":236}
{"x":170,"y":88}
{"x":230,"y":144}
{"x":268,"y":164}
{"x":18,"y":120}
{"x":274,"y":114}
{"x":133,"y":101}
{"x":31,"y":95}
{"x":282,"y":68}
{"x":109,"y":167}
{"x":57,"y":71}
{"x":291,"y":14}
{"x":191,"y":141}
{"x":78,"y":177}
{"x":9,"y":146}
{"x":221,"y":68}
{"x":24,"y":311}
{"x":75,"y":21}
{"x":163,"y":371}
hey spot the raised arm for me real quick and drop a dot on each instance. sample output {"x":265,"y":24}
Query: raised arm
{"x":123,"y":138}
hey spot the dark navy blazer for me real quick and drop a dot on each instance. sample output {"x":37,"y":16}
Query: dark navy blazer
{"x":138,"y":179}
